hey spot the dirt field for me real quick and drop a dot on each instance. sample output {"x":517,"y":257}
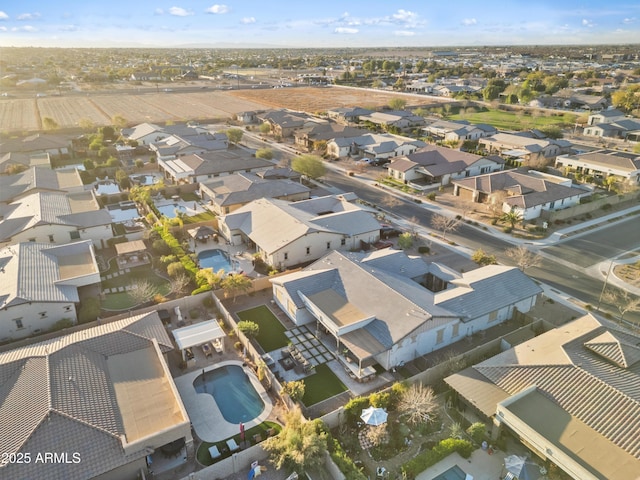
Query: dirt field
{"x":320,"y":99}
{"x":27,"y":114}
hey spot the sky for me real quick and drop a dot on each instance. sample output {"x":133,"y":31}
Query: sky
{"x":316,"y":24}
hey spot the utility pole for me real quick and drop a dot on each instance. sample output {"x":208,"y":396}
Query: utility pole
{"x":604,"y":286}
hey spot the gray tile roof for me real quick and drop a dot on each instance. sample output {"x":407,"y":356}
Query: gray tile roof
{"x":12,"y":186}
{"x":57,"y":396}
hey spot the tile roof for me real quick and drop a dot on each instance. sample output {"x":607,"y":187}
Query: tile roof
{"x":58,"y":396}
{"x":245,"y":187}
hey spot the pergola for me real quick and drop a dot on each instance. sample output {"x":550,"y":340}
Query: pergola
{"x":131,"y":254}
{"x":197,"y":334}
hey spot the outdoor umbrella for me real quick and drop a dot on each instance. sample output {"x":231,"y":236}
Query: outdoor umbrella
{"x":241,"y":432}
{"x":521,"y":468}
{"x":374,"y":416}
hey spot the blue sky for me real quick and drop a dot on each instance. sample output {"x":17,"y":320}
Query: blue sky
{"x":325,"y":23}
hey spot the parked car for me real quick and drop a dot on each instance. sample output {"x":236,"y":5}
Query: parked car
{"x":380,"y":162}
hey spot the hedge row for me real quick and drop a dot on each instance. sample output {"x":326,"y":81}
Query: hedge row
{"x":173,"y":243}
{"x":344,"y":462}
{"x":442,"y":450}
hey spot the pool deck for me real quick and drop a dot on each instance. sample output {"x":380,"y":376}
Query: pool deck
{"x":206,"y":418}
{"x":480,"y":465}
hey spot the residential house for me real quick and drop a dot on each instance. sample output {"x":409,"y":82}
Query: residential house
{"x":284,"y":123}
{"x":526,"y":149}
{"x":176,"y":146}
{"x":307,"y":138}
{"x":341,"y":294}
{"x":287,"y":234}
{"x":55,"y":145}
{"x":145,"y":133}
{"x":203,"y":167}
{"x":526,"y":192}
{"x":227,"y":194}
{"x":606,"y":116}
{"x":602,"y":164}
{"x":570,"y":395}
{"x":38,"y":179}
{"x":55,"y":217}
{"x":439,"y":165}
{"x":280,"y":173}
{"x":398,"y":119}
{"x":348,"y":115}
{"x":627,"y":129}
{"x":15,"y":161}
{"x":247,"y":117}
{"x":40,"y":283}
{"x":569,"y":98}
{"x":97,"y":403}
{"x":451,"y":131}
{"x":373,"y":145}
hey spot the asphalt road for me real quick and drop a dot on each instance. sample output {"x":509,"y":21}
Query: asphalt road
{"x":564,"y":279}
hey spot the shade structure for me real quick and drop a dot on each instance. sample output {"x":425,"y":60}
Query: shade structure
{"x":374,"y":416}
{"x":202,"y":231}
{"x":521,"y":468}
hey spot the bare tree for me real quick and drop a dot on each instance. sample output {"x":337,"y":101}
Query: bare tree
{"x":523,"y":257}
{"x":496,"y":200}
{"x":179,"y":284}
{"x":142,"y":291}
{"x":444,"y":224}
{"x":419,"y":404}
{"x":623,"y":301}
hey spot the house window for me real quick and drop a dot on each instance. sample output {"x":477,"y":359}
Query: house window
{"x":343,"y":242}
{"x":286,"y":255}
{"x":308,"y":250}
{"x":328,"y":245}
{"x":43,"y":314}
{"x":75,"y":235}
{"x":226,"y":209}
{"x":32,"y":239}
{"x":51,"y":238}
{"x":19,"y":324}
{"x":493,"y":316}
{"x":440,"y":336}
{"x":456,"y":330}
{"x":485,"y":169}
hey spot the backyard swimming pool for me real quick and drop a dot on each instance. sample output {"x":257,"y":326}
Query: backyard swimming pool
{"x":123,"y":211}
{"x":169,"y":210}
{"x":216,"y":259}
{"x":232,"y":391}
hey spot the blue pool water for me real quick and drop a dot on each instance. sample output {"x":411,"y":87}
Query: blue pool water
{"x":169,"y":211}
{"x":232,"y":391}
{"x":216,"y":259}
{"x":454,"y":473}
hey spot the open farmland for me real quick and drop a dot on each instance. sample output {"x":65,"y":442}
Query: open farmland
{"x":319,"y":99}
{"x":27,"y":114}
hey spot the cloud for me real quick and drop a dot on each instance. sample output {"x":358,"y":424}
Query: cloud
{"x":3,"y":29}
{"x":587,"y":23}
{"x":180,"y":12}
{"x":405,"y":16}
{"x":627,"y":21}
{"x":26,"y":28}
{"x":158,"y":11}
{"x":404,"y":33}
{"x":248,"y":20}
{"x":3,"y":16}
{"x":218,"y":9}
{"x":469,"y":21}
{"x":28,"y":16}
{"x":346,"y":30}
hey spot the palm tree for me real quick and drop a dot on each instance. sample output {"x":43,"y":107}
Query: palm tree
{"x":511,"y":217}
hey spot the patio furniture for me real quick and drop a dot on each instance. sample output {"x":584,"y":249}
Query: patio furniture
{"x":206,"y":349}
{"x":217,"y":345}
{"x":233,"y":446}
{"x":257,"y":438}
{"x":214,"y":452}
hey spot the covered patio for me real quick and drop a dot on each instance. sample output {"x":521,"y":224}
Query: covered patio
{"x":208,"y":335}
{"x":132,"y":254}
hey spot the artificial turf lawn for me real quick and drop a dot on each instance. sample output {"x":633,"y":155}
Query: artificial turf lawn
{"x":271,"y":336}
{"x":321,"y":385}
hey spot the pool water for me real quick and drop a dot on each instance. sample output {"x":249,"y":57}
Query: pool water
{"x":216,"y":259}
{"x":169,"y":211}
{"x":123,"y":211}
{"x":232,"y":391}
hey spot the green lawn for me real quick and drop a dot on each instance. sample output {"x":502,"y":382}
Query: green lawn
{"x":514,"y":120}
{"x":271,"y":336}
{"x":200,"y":217}
{"x":203,"y":450}
{"x":321,"y":385}
{"x":122,"y":300}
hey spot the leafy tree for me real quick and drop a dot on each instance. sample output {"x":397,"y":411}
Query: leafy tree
{"x":397,"y":103}
{"x":628,"y":99}
{"x":477,"y":431}
{"x":265,"y":153}
{"x":295,"y":389}
{"x":309,"y":165}
{"x":15,"y":168}
{"x":175,"y":269}
{"x":300,"y":446}
{"x":49,"y":123}
{"x":139,"y":163}
{"x":481,"y":258}
{"x":249,"y":328}
{"x":234,"y":135}
{"x":265,"y":128}
{"x":108,"y":133}
{"x":418,"y":403}
{"x":444,"y":224}
{"x":456,"y":431}
{"x":523,"y":257}
{"x":233,"y":285}
{"x":86,"y":124}
{"x":208,"y":276}
{"x":119,"y":121}
{"x":405,"y":241}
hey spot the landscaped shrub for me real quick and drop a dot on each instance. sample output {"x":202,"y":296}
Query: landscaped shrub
{"x":429,"y":458}
{"x":353,"y":409}
{"x":477,"y":431}
{"x":431,"y":196}
{"x":507,"y":229}
{"x":423,"y":249}
{"x":194,"y":313}
{"x":344,"y":462}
